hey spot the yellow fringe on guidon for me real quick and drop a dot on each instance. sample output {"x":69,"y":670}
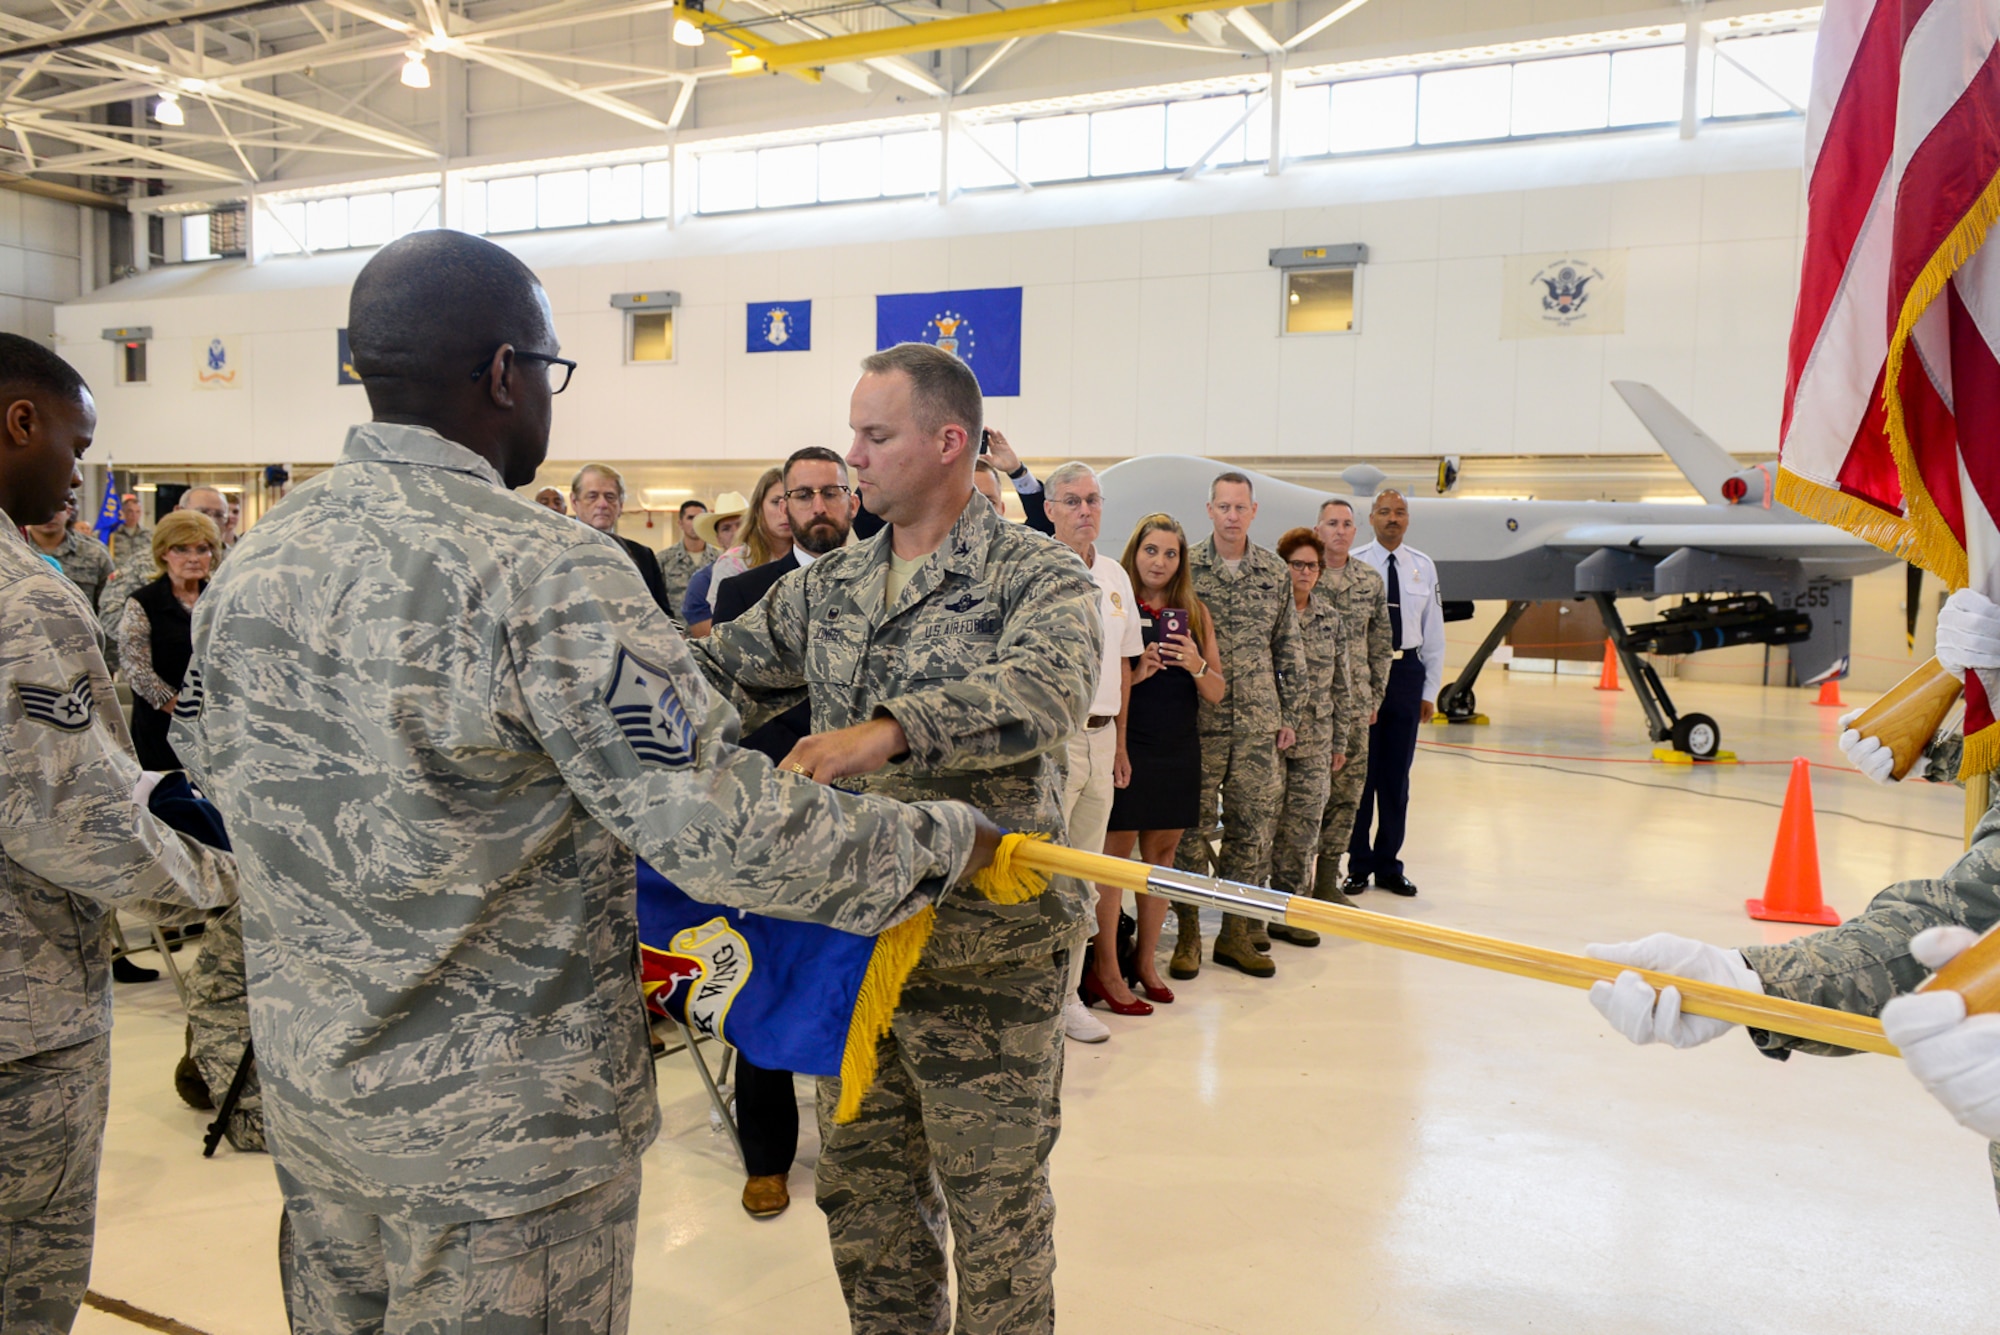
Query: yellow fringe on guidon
{"x":1005,"y":881}
{"x":895,"y":956}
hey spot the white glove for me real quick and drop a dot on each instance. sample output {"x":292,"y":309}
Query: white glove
{"x":1968,"y":633}
{"x":1955,"y":1057}
{"x":1870,"y":756}
{"x":1644,"y":1016}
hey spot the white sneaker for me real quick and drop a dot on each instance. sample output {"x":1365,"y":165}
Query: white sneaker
{"x":1081,"y":1025}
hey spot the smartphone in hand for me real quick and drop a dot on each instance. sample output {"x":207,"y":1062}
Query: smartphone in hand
{"x":1173,"y":621}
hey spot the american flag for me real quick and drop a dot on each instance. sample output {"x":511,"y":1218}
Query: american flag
{"x":1892,"y":393}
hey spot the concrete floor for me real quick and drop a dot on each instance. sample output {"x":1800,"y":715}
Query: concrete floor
{"x":1370,"y":1141}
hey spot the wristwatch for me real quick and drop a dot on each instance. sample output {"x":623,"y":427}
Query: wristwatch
{"x":1019,"y":473}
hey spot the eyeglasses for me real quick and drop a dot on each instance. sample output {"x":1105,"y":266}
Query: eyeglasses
{"x":1078,"y":502}
{"x":1303,"y":565}
{"x":831,"y":495}
{"x":555,"y":386}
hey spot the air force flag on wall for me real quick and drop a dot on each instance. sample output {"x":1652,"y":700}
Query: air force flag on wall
{"x":981,"y":326}
{"x":781,"y":326}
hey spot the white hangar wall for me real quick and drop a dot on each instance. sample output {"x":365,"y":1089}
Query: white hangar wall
{"x":1150,"y":314}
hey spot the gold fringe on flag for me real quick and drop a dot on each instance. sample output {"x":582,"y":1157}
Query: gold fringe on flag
{"x":1934,"y":548}
{"x":896,"y":953}
{"x":1982,"y":752}
{"x":1004,"y":881}
{"x":1830,"y":505}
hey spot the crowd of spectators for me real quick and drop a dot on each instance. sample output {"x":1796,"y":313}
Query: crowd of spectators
{"x":1173,"y":766}
{"x":1262,"y":783}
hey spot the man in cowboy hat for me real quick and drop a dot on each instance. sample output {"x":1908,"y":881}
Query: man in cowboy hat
{"x":718,"y":528}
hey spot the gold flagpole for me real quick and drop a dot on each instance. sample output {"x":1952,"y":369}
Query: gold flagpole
{"x":1022,"y":859}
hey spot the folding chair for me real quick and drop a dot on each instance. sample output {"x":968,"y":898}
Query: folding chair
{"x":120,"y":948}
{"x":712,"y":1083}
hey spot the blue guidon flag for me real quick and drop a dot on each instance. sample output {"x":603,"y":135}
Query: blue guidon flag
{"x":789,"y":996}
{"x":649,"y":712}
{"x":980,"y":326}
{"x":343,"y":360}
{"x":107,"y":513}
{"x":780,"y":326}
{"x":782,"y":993}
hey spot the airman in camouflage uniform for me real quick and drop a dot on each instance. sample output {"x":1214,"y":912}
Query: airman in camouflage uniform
{"x":439,"y":720}
{"x":677,"y":567}
{"x":1327,"y":720}
{"x":132,"y":567}
{"x":1866,"y":962}
{"x":1242,"y":768}
{"x":1362,"y":600}
{"x":218,"y":1008}
{"x":85,"y":560}
{"x":987,"y":660}
{"x":74,"y":848}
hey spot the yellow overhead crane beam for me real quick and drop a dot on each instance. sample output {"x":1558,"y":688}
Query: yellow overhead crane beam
{"x":758,"y":57}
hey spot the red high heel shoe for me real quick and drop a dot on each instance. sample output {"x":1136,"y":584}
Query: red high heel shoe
{"x":1128,"y":965}
{"x":1094,"y":994}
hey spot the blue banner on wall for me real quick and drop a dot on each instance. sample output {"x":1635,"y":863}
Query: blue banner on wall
{"x":345,"y":354}
{"x":981,"y":326}
{"x":780,"y":326}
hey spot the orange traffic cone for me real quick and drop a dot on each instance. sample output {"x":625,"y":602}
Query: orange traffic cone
{"x":1791,"y":891}
{"x":1608,"y":679}
{"x":1829,"y":694}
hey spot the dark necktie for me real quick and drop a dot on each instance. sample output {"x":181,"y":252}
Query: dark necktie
{"x":1395,"y":606}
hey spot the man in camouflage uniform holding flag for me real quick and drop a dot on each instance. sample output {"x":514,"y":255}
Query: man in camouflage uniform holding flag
{"x":1872,"y":963}
{"x":75,"y":846}
{"x":953,"y":654}
{"x":438,"y":720}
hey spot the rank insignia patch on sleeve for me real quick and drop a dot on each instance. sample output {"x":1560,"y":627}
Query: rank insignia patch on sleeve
{"x":187,"y":705}
{"x":648,"y":711}
{"x":68,"y":710}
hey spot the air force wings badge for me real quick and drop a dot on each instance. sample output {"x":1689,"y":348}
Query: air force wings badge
{"x":69,"y":711}
{"x":649,"y":712}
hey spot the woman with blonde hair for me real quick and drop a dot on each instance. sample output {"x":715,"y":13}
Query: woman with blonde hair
{"x":766,"y":532}
{"x":1162,"y":742}
{"x":155,"y":634}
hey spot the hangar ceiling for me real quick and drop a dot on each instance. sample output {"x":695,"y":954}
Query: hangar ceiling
{"x":155,"y":96}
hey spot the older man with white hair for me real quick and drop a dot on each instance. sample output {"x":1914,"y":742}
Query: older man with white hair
{"x":597,"y":497}
{"x":1096,"y":760}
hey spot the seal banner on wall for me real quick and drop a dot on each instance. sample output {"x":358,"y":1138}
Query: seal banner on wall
{"x":979,"y":326}
{"x":1550,"y":296}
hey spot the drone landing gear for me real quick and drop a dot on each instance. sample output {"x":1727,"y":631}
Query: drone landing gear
{"x":1456,"y":703}
{"x":1695,"y":735}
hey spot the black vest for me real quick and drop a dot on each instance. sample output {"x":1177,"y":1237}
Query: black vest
{"x":173,"y":630}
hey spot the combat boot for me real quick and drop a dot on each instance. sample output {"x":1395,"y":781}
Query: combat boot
{"x":1186,"y":962}
{"x":1297,"y":936}
{"x":1326,"y":880}
{"x":1233,"y":948}
{"x":188,"y":1082}
{"x":1260,"y":936}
